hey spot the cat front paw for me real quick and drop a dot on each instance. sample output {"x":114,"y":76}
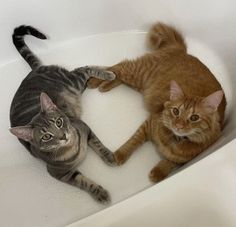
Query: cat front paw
{"x":94,"y":82}
{"x":109,"y":159}
{"x":101,"y":195}
{"x":120,"y":157}
{"x":108,"y":75}
{"x":103,"y":85}
{"x":156,"y":175}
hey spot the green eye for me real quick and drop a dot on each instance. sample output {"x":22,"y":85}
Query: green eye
{"x":194,"y":117}
{"x":59,"y":122}
{"x":47,"y":137}
{"x":175,"y":111}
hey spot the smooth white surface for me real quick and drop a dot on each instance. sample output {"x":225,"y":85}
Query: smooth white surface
{"x":207,"y":20}
{"x":29,"y":196}
{"x":114,"y":116}
{"x":24,"y":180}
{"x":202,"y":195}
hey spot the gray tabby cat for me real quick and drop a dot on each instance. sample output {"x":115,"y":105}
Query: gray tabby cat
{"x":45,"y":116}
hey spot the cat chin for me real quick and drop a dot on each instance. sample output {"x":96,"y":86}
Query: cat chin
{"x":65,"y":143}
{"x":49,"y":150}
{"x":183,"y":134}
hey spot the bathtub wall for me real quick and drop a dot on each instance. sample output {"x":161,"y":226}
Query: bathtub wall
{"x":63,"y":20}
{"x":211,"y":22}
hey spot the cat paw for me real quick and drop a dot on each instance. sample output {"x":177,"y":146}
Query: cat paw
{"x":102,"y":85}
{"x":101,"y":195}
{"x":108,"y":85}
{"x":94,"y":83}
{"x":109,"y":75}
{"x":110,"y":159}
{"x":120,"y":157}
{"x":156,"y":176}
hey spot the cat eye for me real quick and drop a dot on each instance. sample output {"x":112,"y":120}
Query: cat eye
{"x":47,"y":137}
{"x":175,"y":111}
{"x":194,"y":117}
{"x":59,"y":122}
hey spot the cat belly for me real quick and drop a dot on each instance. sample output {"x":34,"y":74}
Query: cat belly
{"x":83,"y":153}
{"x":70,"y":102}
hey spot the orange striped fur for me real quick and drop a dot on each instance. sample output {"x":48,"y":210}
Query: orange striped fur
{"x":169,"y":78}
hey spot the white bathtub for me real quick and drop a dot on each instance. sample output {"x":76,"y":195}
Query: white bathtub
{"x":103,"y":33}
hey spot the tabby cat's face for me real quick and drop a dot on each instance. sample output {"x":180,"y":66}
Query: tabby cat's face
{"x":191,"y":116}
{"x":49,"y":130}
{"x":52,"y":131}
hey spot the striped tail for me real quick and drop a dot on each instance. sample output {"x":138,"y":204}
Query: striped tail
{"x":23,"y":49}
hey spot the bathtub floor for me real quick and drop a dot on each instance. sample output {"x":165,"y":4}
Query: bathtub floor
{"x":28,"y":195}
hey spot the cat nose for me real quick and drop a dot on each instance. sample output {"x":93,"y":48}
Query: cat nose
{"x":63,"y":137}
{"x":179,"y":126}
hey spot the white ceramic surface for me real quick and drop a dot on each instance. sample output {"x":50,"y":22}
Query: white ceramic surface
{"x":30,"y":197}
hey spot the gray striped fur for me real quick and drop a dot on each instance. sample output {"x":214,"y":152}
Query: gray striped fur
{"x":50,"y":95}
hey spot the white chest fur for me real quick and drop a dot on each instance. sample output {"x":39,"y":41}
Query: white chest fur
{"x":82,"y":148}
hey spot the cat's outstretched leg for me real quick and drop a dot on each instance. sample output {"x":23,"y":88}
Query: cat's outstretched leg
{"x":106,"y":155}
{"x":85,"y":73}
{"x":77,"y":179}
{"x":130,"y":72}
{"x":162,"y":170}
{"x":139,"y":137}
{"x":102,"y":85}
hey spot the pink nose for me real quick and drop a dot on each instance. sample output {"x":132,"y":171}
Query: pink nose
{"x":179,"y":126}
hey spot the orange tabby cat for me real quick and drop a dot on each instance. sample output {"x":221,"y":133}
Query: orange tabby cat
{"x":185,"y":101}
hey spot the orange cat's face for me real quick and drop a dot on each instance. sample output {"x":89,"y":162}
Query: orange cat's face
{"x":190,"y":117}
{"x":186,"y":117}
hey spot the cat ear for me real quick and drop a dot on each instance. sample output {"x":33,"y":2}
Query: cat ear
{"x":212,"y":101}
{"x":46,"y":103}
{"x":175,"y":91}
{"x":23,"y":132}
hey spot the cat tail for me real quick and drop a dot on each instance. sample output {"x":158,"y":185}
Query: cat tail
{"x":23,"y":49}
{"x":161,"y":36}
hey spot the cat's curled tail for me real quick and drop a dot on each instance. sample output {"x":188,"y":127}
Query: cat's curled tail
{"x":25,"y":52}
{"x":161,"y":36}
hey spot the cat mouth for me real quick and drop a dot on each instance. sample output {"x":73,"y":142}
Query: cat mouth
{"x":67,"y":140}
{"x":180,"y":133}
